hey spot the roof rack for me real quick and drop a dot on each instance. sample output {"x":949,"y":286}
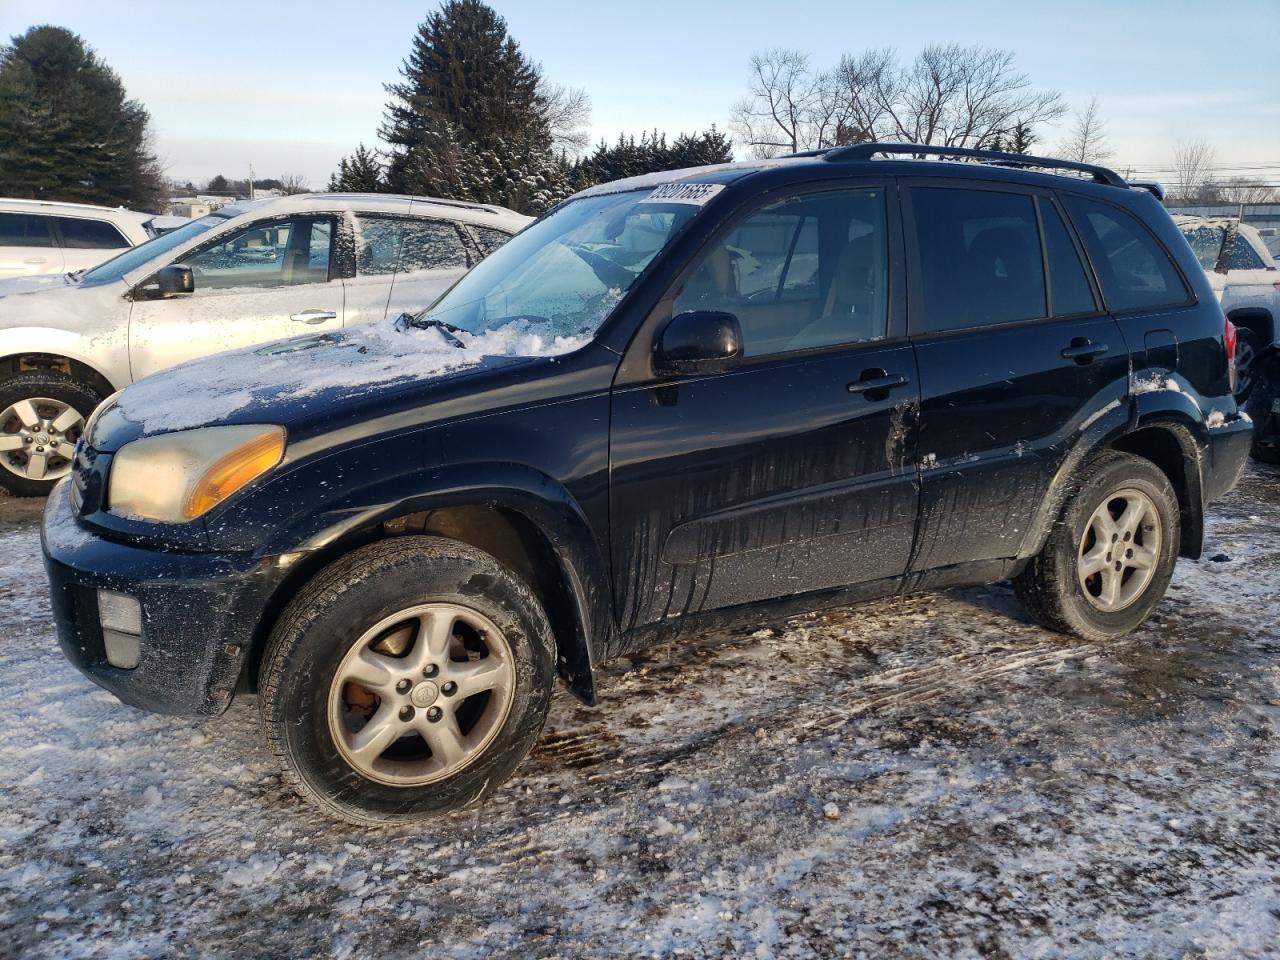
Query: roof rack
{"x":865,"y":151}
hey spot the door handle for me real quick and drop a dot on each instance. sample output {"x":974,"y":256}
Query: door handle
{"x":1083,"y":351}
{"x":313,"y":316}
{"x":875,"y":384}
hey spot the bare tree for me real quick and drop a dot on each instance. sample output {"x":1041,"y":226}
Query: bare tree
{"x":294,"y":183}
{"x":950,"y":95}
{"x":784,"y":110}
{"x":1245,"y":190}
{"x":1086,"y":141}
{"x":567,"y":112}
{"x":1192,"y":167}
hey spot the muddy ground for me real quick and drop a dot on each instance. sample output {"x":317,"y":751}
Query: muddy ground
{"x":925,"y":777}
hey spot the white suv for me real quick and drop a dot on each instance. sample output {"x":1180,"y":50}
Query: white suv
{"x":249,"y":273}
{"x":1244,"y":276}
{"x":42,"y":237}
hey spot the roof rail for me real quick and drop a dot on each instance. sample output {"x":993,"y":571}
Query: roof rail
{"x":865,"y":151}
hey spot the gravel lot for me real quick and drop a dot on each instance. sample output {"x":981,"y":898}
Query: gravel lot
{"x":929,"y":777}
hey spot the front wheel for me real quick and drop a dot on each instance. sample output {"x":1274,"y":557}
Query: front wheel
{"x":42,"y":414}
{"x":1111,"y":555}
{"x":407,"y":680}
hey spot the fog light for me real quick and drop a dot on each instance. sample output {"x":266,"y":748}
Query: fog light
{"x":120,"y":617}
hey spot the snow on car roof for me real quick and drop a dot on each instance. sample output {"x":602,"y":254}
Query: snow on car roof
{"x":70,"y":209}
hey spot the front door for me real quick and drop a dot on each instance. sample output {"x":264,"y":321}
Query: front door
{"x":793,"y":472}
{"x":1013,"y":360}
{"x":268,"y":281}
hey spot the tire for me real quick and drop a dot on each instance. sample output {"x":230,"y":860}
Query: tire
{"x":1049,"y":585}
{"x":1248,"y":352}
{"x":28,"y":467}
{"x":309,"y":715}
{"x":1261,"y":409}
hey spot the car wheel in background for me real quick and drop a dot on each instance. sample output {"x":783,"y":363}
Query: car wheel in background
{"x":1264,"y":409}
{"x":1248,"y":346}
{"x":42,"y":415}
{"x":407,"y":680}
{"x":1109,"y":559}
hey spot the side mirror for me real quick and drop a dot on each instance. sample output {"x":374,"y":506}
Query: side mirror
{"x":175,"y":279}
{"x":700,"y":341}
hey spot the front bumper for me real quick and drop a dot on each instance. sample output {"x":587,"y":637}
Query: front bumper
{"x":200,"y":612}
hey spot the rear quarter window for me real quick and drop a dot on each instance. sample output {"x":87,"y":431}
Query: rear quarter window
{"x":1135,"y":271}
{"x":80,"y":234}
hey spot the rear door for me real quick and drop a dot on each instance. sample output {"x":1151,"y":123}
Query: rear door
{"x":28,"y":246}
{"x":789,"y":473}
{"x":402,"y":264}
{"x":1015,"y":352}
{"x":269,"y":280}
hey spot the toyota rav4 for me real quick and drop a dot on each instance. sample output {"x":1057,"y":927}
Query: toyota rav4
{"x":728,"y":392}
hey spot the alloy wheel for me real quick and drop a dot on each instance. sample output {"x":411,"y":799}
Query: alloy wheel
{"x":421,"y":694}
{"x":38,"y":438}
{"x":1119,"y":550}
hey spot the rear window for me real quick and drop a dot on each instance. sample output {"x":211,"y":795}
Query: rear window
{"x":80,"y":234}
{"x":489,"y":238}
{"x":980,"y":259}
{"x":387,"y":245}
{"x":1242,"y":255}
{"x":24,"y":230}
{"x":1135,"y":271}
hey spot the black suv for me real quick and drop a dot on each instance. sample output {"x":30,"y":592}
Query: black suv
{"x":735,"y":391}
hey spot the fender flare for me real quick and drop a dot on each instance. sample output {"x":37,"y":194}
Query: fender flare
{"x":546,"y":505}
{"x":1170,"y":411}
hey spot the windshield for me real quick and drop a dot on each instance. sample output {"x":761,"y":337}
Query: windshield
{"x":566,"y":272}
{"x":117,"y":267}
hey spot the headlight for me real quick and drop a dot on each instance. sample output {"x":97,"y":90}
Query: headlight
{"x":178,"y":476}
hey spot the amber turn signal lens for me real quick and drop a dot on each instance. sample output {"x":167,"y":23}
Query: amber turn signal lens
{"x":232,"y":471}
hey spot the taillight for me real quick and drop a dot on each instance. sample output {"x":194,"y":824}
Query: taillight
{"x":1229,"y":341}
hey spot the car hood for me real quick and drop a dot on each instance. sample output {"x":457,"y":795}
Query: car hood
{"x":43,"y":281}
{"x":314,"y":383}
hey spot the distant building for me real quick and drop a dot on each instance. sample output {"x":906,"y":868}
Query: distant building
{"x":193,"y":209}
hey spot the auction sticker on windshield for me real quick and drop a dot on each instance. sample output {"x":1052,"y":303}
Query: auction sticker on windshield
{"x":695,"y":193}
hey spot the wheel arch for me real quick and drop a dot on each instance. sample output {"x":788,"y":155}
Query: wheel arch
{"x":1257,"y":319}
{"x":536,"y":530}
{"x":28,"y":361}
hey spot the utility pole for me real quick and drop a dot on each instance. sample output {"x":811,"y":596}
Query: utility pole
{"x":251,"y":194}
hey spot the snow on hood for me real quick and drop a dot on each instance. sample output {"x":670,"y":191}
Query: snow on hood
{"x":346,"y":363}
{"x":43,"y":281}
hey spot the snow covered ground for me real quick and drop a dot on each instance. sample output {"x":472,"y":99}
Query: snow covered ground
{"x":927,"y":777}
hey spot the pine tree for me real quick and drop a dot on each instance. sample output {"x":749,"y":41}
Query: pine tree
{"x":1020,"y":138}
{"x":68,"y":130}
{"x":468,"y":121}
{"x":629,"y":158}
{"x":359,"y":173}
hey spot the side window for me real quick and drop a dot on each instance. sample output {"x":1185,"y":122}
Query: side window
{"x":24,"y":230}
{"x":80,"y":234}
{"x":1242,"y":255}
{"x":980,"y":259}
{"x":489,"y":238}
{"x":1135,"y":271}
{"x":385,"y":245}
{"x":803,"y":272}
{"x":1069,"y":290}
{"x":1206,"y":244}
{"x":275,"y":254}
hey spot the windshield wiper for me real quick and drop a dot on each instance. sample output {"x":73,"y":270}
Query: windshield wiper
{"x":447,"y":330}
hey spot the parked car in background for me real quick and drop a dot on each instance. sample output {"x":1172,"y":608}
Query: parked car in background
{"x":1244,"y":276}
{"x":722,"y":394}
{"x":41,"y":237}
{"x":245,"y":274}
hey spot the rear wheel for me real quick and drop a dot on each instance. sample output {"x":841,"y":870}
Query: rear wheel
{"x":1109,"y":559}
{"x":42,"y":415}
{"x":1248,"y":347}
{"x":407,"y":680}
{"x":1264,"y":409}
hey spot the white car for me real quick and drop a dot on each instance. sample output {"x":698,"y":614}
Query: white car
{"x":1244,"y":276}
{"x":248,"y":273}
{"x":40,"y":237}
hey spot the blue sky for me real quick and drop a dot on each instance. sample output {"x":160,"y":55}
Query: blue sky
{"x":293,"y":86}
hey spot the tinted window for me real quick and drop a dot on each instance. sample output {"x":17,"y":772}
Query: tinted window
{"x":1134,"y":270}
{"x":979,"y":257}
{"x":387,"y":244}
{"x":1243,"y":256}
{"x":80,"y":234}
{"x":1069,"y":290}
{"x":24,"y":230}
{"x":790,"y":288}
{"x":275,"y":254}
{"x":490,"y":239}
